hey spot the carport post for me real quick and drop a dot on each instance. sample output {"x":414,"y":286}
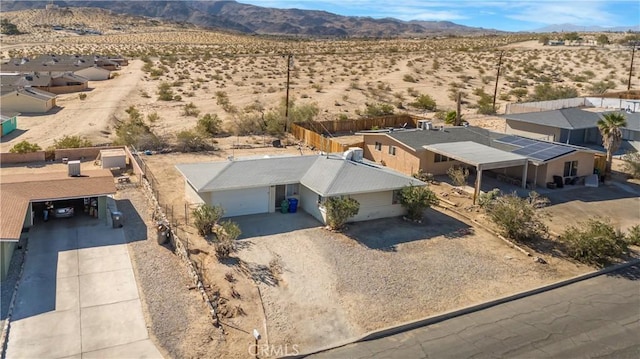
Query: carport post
{"x":476,"y":190}
{"x":524,"y":175}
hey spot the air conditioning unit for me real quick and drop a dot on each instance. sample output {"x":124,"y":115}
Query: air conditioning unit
{"x":425,"y":125}
{"x":357,"y":154}
{"x":74,"y":168}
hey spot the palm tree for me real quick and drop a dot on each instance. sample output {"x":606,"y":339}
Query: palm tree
{"x":609,"y":126}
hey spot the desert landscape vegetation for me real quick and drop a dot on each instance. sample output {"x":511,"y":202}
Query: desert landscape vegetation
{"x":204,"y":95}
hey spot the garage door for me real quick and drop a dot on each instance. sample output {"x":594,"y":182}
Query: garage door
{"x":242,"y":202}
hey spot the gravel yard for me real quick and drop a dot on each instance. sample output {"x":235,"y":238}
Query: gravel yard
{"x":176,"y":316}
{"x":381,"y":273}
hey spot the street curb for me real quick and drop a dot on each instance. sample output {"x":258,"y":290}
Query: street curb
{"x":470,"y":309}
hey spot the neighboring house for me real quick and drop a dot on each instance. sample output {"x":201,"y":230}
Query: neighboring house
{"x":251,"y":186}
{"x":9,"y":122}
{"x":570,"y":125}
{"x":26,"y":100}
{"x":23,"y":197}
{"x":94,"y":73}
{"x":57,"y":82}
{"x":435,"y":151}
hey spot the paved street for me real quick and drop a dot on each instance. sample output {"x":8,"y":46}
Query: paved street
{"x":595,"y":318}
{"x":78,"y":296}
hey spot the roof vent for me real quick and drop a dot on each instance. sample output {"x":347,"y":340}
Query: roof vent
{"x":442,"y":128}
{"x":357,"y":154}
{"x":425,"y":125}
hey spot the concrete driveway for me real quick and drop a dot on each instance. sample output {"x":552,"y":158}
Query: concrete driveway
{"x":78,"y":296}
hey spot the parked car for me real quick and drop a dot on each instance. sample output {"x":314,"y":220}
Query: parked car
{"x":63,"y":212}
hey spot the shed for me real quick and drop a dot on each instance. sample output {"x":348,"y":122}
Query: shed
{"x":9,"y":122}
{"x":113,"y":158}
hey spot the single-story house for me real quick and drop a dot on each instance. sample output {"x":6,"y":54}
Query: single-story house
{"x":435,"y":151}
{"x":94,"y":73}
{"x":251,"y":186}
{"x":8,"y":122}
{"x":26,"y":100}
{"x":570,"y":125}
{"x":24,"y":196}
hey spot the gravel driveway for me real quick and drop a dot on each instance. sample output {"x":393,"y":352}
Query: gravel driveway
{"x":335,"y":287}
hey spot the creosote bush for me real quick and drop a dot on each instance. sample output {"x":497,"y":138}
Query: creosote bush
{"x":516,"y":218}
{"x":595,"y":242}
{"x":225,"y":241}
{"x":458,"y":175}
{"x":25,"y":147}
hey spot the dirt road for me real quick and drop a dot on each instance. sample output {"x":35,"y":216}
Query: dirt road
{"x":90,"y":118}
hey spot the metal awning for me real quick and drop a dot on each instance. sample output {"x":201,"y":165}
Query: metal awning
{"x":478,"y":155}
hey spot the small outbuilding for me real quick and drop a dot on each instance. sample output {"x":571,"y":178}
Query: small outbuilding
{"x":113,"y":158}
{"x":8,"y":122}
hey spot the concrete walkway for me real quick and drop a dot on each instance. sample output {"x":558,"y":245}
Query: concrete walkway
{"x":78,"y":296}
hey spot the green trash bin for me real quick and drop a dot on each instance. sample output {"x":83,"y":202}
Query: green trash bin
{"x":284,"y":206}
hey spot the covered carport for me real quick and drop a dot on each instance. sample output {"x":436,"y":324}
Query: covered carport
{"x":481,"y":157}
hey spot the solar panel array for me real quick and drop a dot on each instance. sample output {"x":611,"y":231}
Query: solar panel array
{"x":537,"y":150}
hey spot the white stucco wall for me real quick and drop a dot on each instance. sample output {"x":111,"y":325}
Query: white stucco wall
{"x":309,"y":203}
{"x":376,"y":205}
{"x":192,"y":196}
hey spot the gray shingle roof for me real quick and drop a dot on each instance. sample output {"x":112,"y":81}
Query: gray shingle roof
{"x":566,"y":118}
{"x":326,"y":175}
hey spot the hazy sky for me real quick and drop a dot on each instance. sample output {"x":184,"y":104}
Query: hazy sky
{"x":499,"y":14}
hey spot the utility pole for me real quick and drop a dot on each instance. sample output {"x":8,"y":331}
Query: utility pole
{"x":495,"y":90}
{"x":286,"y":110}
{"x":633,"y":52}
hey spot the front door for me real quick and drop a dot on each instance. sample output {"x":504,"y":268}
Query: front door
{"x":280,"y":195}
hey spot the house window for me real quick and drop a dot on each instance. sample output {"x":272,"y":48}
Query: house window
{"x":392,"y":150}
{"x":571,"y":168}
{"x":396,"y":197}
{"x":293,"y":189}
{"x":378,"y":146}
{"x":441,"y":158}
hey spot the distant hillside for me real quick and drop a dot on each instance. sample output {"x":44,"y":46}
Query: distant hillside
{"x":577,"y":28}
{"x":235,"y":16}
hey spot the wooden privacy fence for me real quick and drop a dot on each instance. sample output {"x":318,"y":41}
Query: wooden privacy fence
{"x":320,"y":142}
{"x":319,"y":134}
{"x":360,"y":124}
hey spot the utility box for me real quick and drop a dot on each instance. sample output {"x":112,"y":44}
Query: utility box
{"x":74,"y":168}
{"x":116,"y":219}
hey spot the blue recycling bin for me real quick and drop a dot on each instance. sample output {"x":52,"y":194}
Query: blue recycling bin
{"x":293,"y":205}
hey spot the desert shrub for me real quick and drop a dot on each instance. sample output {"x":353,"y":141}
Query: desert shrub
{"x":133,"y":113}
{"x":408,"y":78}
{"x":134,"y":132}
{"x":633,"y":236}
{"x":153,"y":117}
{"x":82,"y":96}
{"x":632,"y":164}
{"x":339,"y":210}
{"x":190,"y":141}
{"x":71,"y":142}
{"x":600,"y":87}
{"x":378,"y":109}
{"x":226,"y":234}
{"x":25,"y":147}
{"x":486,"y":199}
{"x":594,"y":242}
{"x":424,"y":102}
{"x":8,"y":28}
{"x":516,"y":218}
{"x":210,"y":125}
{"x":415,"y":199}
{"x":190,"y":109}
{"x":519,"y":93}
{"x":458,"y":175}
{"x":485,"y":102}
{"x":546,"y":92}
{"x":165,"y":93}
{"x":423,"y":176}
{"x":205,"y":217}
